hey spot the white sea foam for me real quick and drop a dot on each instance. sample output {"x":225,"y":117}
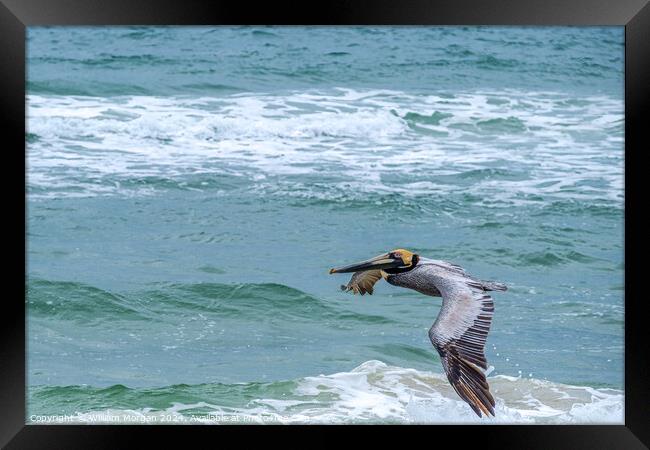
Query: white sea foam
{"x":377,"y":393}
{"x":546,"y":143}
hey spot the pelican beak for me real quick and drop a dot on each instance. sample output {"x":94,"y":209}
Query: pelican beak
{"x":384,"y":261}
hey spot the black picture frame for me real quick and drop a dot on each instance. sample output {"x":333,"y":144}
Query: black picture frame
{"x":16,"y":15}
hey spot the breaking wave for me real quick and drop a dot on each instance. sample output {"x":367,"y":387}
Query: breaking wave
{"x":373,"y":392}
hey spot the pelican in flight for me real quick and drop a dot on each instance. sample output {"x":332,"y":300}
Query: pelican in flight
{"x":462,"y":325}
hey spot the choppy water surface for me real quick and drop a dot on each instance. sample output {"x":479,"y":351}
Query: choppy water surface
{"x":189,"y":188}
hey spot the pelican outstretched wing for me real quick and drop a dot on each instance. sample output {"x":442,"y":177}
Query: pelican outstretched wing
{"x":459,"y":335}
{"x":362,"y":282}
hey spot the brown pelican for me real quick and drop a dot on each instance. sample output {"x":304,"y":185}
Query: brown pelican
{"x":462,"y":325}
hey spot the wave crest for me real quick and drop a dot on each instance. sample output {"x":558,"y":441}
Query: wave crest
{"x":373,"y":392}
{"x":336,"y":135}
{"x":165,"y":302}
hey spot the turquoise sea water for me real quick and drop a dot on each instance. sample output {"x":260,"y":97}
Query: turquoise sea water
{"x":189,"y":188}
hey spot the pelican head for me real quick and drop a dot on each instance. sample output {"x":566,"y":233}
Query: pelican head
{"x":395,"y":259}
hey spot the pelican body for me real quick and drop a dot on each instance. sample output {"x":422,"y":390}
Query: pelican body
{"x":459,"y":332}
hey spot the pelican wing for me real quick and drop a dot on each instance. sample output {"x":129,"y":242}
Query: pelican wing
{"x":459,"y":335}
{"x":362,"y":282}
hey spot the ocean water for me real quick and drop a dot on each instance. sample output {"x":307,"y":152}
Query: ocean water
{"x":188,"y":189}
